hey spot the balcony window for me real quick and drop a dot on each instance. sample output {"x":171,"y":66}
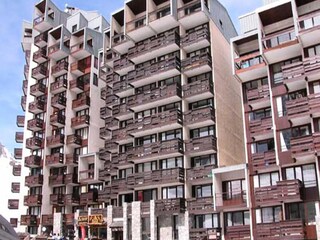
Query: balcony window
{"x":169,"y":135}
{"x":140,"y":23}
{"x":59,"y":190}
{"x":146,"y":140}
{"x":269,"y":214}
{"x":34,"y":210}
{"x":266,"y":179}
{"x":146,"y":167}
{"x":202,"y":191}
{"x":237,"y":218}
{"x":202,"y":132}
{"x":169,"y":81}
{"x":123,"y":173}
{"x":314,"y":87}
{"x":206,"y":221}
{"x":125,"y":198}
{"x":163,"y":13}
{"x":305,"y":211}
{"x":146,"y":113}
{"x":175,"y":227}
{"x":33,"y":230}
{"x":305,"y":173}
{"x":201,"y":104}
{"x":58,"y":131}
{"x":200,"y":77}
{"x":83,"y":112}
{"x":250,"y":62}
{"x":146,"y":89}
{"x":125,"y":123}
{"x":192,"y":9}
{"x":255,"y":84}
{"x":172,"y":192}
{"x":170,"y":106}
{"x":198,"y":52}
{"x":35,"y":191}
{"x":312,"y":51}
{"x":82,"y":132}
{"x":259,"y":114}
{"x":56,"y":150}
{"x":146,"y":195}
{"x":301,"y":131}
{"x":58,"y":171}
{"x":262,"y":146}
{"x":276,"y":70}
{"x":233,"y":189}
{"x":126,"y":147}
{"x":171,"y":163}
{"x":310,"y":22}
{"x":204,"y":160}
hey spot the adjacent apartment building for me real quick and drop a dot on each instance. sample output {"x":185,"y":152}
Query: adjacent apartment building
{"x":126,"y":121}
{"x":276,"y":59}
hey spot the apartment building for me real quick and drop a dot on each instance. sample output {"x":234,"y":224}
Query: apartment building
{"x":277,"y":61}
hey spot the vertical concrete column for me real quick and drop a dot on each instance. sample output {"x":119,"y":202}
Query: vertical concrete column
{"x":165,"y":225}
{"x":109,"y":221}
{"x":136,"y":221}
{"x":125,"y":221}
{"x":183,"y":228}
{"x":153,"y":221}
{"x":76,"y":215}
{"x":318,"y":220}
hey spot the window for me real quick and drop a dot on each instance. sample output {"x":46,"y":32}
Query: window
{"x":146,"y":167}
{"x":95,"y":79}
{"x":146,"y":113}
{"x":125,"y":198}
{"x":276,"y":73}
{"x":305,"y":173}
{"x":269,"y":214}
{"x":74,"y":28}
{"x":171,"y":163}
{"x":82,"y":112}
{"x":207,"y":221}
{"x":312,"y":51}
{"x":234,"y":189}
{"x":305,"y":211}
{"x":262,"y":146}
{"x":266,"y":179}
{"x":146,"y":140}
{"x":173,"y":192}
{"x":204,"y":76}
{"x":83,"y":132}
{"x":202,"y":191}
{"x":204,"y":160}
{"x":126,"y":147}
{"x":259,"y":114}
{"x":201,"y":104}
{"x":237,"y":218}
{"x":140,"y":23}
{"x":171,"y":106}
{"x":164,"y":12}
{"x":175,"y":225}
{"x":198,"y":52}
{"x":123,"y":173}
{"x":169,"y":81}
{"x":301,"y":131}
{"x":202,"y":132}
{"x":146,"y":88}
{"x":169,"y":135}
{"x":146,"y":195}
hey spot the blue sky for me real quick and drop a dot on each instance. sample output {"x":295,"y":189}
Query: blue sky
{"x":12,"y":13}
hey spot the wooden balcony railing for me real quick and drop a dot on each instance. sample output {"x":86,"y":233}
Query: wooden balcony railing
{"x":169,"y":206}
{"x":237,"y":232}
{"x":83,"y":101}
{"x":297,"y":107}
{"x":120,"y":86}
{"x":32,"y":161}
{"x":13,"y":203}
{"x":111,"y":123}
{"x":57,"y":199}
{"x":88,"y":197}
{"x":120,"y":110}
{"x":301,"y":146}
{"x":86,"y":175}
{"x":71,"y":159}
{"x":20,"y":120}
{"x":258,"y":94}
{"x":195,"y":36}
{"x":200,"y":205}
{"x":19,"y":137}
{"x":201,"y":173}
{"x":199,"y":115}
{"x":57,"y":119}
{"x":288,"y":229}
{"x":34,"y":143}
{"x":35,"y":124}
{"x":205,"y":233}
{"x":80,"y":120}
{"x":47,"y":220}
{"x":55,"y":140}
{"x":260,"y":126}
{"x":226,"y":200}
{"x":56,"y":179}
{"x":16,"y":170}
{"x":201,"y":144}
{"x":122,"y":63}
{"x":40,"y":71}
{"x":71,"y":178}
{"x":198,"y":87}
{"x":58,"y":101}
{"x":15,"y":187}
{"x":283,"y":191}
{"x":32,"y":200}
{"x":311,"y":65}
{"x":314,"y":103}
{"x":29,"y":220}
{"x":17,"y":153}
{"x":294,"y":71}
{"x":74,"y":139}
{"x":59,"y":85}
{"x":34,"y":180}
{"x":36,"y":106}
{"x":76,"y":84}
{"x":41,"y":53}
{"x":263,"y":160}
{"x":72,"y":199}
{"x":189,"y":8}
{"x":56,"y":158}
{"x":56,"y":69}
{"x":196,"y":61}
{"x":41,"y":38}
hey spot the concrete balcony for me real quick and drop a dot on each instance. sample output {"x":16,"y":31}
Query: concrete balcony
{"x":72,"y":200}
{"x":250,"y":67}
{"x":58,"y":51}
{"x":56,"y":180}
{"x":55,"y":141}
{"x":197,"y":64}
{"x":37,"y":106}
{"x":198,"y":206}
{"x":302,"y":148}
{"x":29,"y":220}
{"x":154,"y":47}
{"x":34,"y":143}
{"x":294,"y":76}
{"x":121,"y":43}
{"x":55,"y":160}
{"x":34,"y":180}
{"x":59,"y":86}
{"x":259,"y":97}
{"x":38,"y":89}
{"x":137,"y":29}
{"x":105,"y":133}
{"x":32,"y":200}
{"x":81,"y":103}
{"x":261,"y":128}
{"x":162,"y":18}
{"x":32,"y":161}
{"x":13,"y":203}
{"x":205,"y":233}
{"x":193,"y":13}
{"x":69,"y":219}
{"x":156,"y":97}
{"x":112,"y":100}
{"x":104,"y":195}
{"x":227,"y":201}
{"x":198,"y":90}
{"x":202,"y":174}
{"x":80,"y":121}
{"x":40,"y":71}
{"x":122,"y":89}
{"x":160,"y":122}
{"x":43,"y":22}
{"x":281,"y":45}
{"x":165,"y":207}
{"x":23,"y":102}
{"x":47,"y":219}
{"x":40,"y":56}
{"x":196,"y":39}
{"x":105,"y":112}
{"x":26,"y":71}
{"x":87,"y":176}
{"x":309,"y":28}
{"x":72,"y":159}
{"x":159,"y":70}
{"x":237,"y":232}
{"x":203,"y":145}
{"x":19,"y":137}
{"x":57,"y":199}
{"x":41,"y":39}
{"x":77,"y":86}
{"x":199,"y":117}
{"x":88,"y":198}
{"x":314,"y":104}
{"x":118,"y":185}
{"x":156,"y":177}
{"x":121,"y":111}
{"x":105,"y":91}
{"x":284,"y":191}
{"x":81,"y":50}
{"x":111,"y":123}
{"x":77,"y":68}
{"x":59,"y":69}
{"x":263,"y":161}
{"x":74,"y":140}
{"x":16,"y":170}
{"x":288,"y":229}
{"x":59,"y":101}
{"x":298,"y":111}
{"x":109,"y":57}
{"x":57,"y":119}
{"x":312,"y":67}
{"x":17,"y":153}
{"x":121,"y":135}
{"x":15,"y":187}
{"x":123,"y":65}
{"x":71,"y":179}
{"x":25,"y":87}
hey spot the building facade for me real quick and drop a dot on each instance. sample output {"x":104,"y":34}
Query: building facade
{"x":129,"y":124}
{"x":277,"y":61}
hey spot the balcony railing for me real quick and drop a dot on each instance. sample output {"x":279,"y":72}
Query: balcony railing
{"x":189,"y":8}
{"x":248,"y":61}
{"x":40,"y":71}
{"x":169,"y":206}
{"x":86,"y":175}
{"x":32,"y":161}
{"x":40,"y":55}
{"x":199,"y":115}
{"x":59,"y":101}
{"x":200,"y":173}
{"x":261,"y":161}
{"x":72,"y":159}
{"x":71,"y":178}
{"x":74,"y":139}
{"x":80,"y":121}
{"x":297,"y":107}
{"x":226,"y":200}
{"x":59,"y":86}
{"x":195,"y":36}
{"x":81,"y":102}
{"x":278,"y":38}
{"x":260,"y":126}
{"x":237,"y":232}
{"x":16,"y":170}
{"x":15,"y":187}
{"x":111,"y":123}
{"x":136,"y":23}
{"x":56,"y":158}
{"x":156,"y":177}
{"x":35,"y":124}
{"x":76,"y":84}
{"x":55,"y":180}
{"x":41,"y":39}
{"x":47,"y":220}
{"x":25,"y":86}
{"x":122,"y":63}
{"x":309,"y":21}
{"x":88,"y":197}
{"x":198,"y":87}
{"x":57,"y":199}
{"x":57,"y":119}
{"x":37,"y":106}
{"x":205,"y":233}
{"x":283,"y":191}
{"x":105,"y":112}
{"x":288,"y":229}
{"x":29,"y":220}
{"x":258,"y":94}
{"x":17,"y":153}
{"x":200,"y":205}
{"x":37,"y":89}
{"x":72,"y":199}
{"x":59,"y":68}
{"x":13,"y":203}
{"x":19,"y":137}
{"x":34,"y":180}
{"x":196,"y":61}
{"x":34,"y":143}
{"x":302,"y":146}
{"x":201,"y":144}
{"x":292,"y":72}
{"x":55,"y":140}
{"x":32,"y":200}
{"x":311,"y":65}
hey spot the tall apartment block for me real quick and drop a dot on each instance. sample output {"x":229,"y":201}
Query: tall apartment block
{"x":133,"y":130}
{"x":277,"y":61}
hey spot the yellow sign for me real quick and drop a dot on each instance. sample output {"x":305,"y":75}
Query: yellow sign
{"x":82,"y":220}
{"x":95,"y":219}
